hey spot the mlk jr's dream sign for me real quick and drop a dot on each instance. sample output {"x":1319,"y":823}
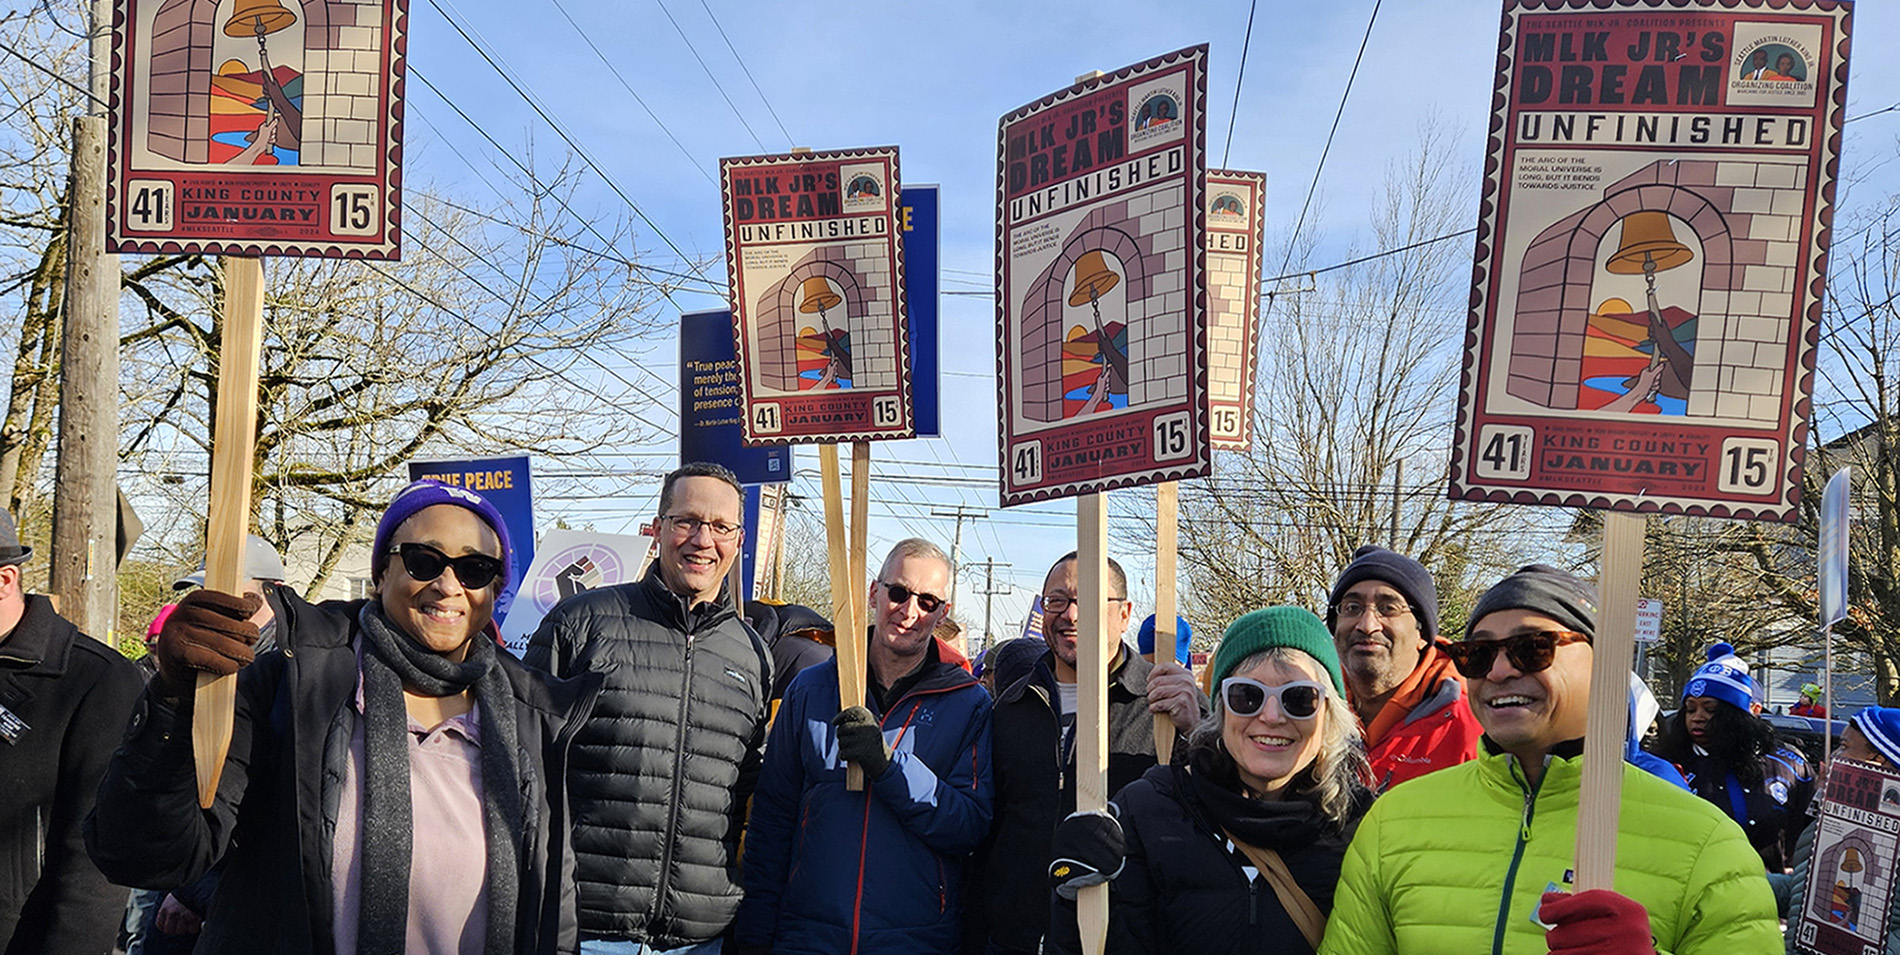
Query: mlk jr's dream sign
{"x":256,"y":127}
{"x":815,"y":259}
{"x":1101,"y":305}
{"x":1652,"y":249}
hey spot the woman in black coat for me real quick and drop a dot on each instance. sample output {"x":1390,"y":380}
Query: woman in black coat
{"x":395,"y":782}
{"x":1279,"y":766}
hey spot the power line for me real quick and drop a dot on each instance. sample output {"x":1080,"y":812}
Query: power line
{"x":748,"y":72}
{"x":1239,"y":78}
{"x":493,"y":60}
{"x":1328,"y":148}
{"x":709,"y":74}
{"x":586,"y":37}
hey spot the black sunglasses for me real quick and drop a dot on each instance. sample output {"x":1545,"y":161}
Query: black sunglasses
{"x":425,"y":563}
{"x":1528,"y":652}
{"x":899,"y":593}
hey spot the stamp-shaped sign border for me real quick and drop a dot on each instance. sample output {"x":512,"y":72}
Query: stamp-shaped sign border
{"x":1475,"y":420}
{"x":1256,"y":232}
{"x":1192,"y":412}
{"x":906,"y":426}
{"x":384,"y":245}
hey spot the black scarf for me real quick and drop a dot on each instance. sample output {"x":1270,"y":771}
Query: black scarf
{"x":1281,"y":825}
{"x":392,"y":661}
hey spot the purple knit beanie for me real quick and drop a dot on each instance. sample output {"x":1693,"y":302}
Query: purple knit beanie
{"x":425,"y":494}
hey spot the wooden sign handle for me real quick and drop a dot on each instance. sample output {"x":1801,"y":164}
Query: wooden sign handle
{"x":845,"y":597}
{"x":1091,"y":696}
{"x":234,"y":442}
{"x":860,"y":527}
{"x":1614,"y":649}
{"x":1167,"y":524}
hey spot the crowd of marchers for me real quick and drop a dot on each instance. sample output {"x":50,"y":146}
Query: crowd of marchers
{"x":667,"y":772}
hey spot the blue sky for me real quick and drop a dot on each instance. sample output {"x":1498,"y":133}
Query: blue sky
{"x":933,"y":78}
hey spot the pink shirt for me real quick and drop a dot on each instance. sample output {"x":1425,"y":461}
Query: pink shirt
{"x":448,"y":855}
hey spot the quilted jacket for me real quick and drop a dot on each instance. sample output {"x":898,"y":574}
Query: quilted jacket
{"x":1457,"y":860}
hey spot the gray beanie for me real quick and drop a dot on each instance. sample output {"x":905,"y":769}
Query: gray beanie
{"x":1402,"y":573}
{"x":1542,"y":589}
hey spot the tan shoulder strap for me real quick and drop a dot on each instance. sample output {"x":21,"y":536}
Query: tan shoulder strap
{"x":1300,"y":906}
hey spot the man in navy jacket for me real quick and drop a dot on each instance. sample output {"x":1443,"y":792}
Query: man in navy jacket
{"x":828,"y":870}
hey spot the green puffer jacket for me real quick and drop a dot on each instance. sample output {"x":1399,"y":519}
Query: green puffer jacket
{"x":1456,"y":860}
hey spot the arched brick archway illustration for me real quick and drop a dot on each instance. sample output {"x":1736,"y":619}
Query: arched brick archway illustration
{"x":864,"y":316}
{"x":342,"y":68}
{"x":1746,"y":215}
{"x":1151,"y":285}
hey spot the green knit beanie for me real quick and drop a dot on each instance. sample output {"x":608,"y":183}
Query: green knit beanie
{"x":1259,"y":630}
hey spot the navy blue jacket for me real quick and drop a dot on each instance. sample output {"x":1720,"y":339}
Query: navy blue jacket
{"x":834,"y":872}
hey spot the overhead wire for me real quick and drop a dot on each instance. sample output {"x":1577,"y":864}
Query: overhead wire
{"x":589,"y":40}
{"x":1234,"y":113}
{"x":494,"y":61}
{"x":709,"y":74}
{"x":748,"y":73}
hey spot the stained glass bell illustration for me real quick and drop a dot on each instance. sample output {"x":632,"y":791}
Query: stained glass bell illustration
{"x":819,"y":298}
{"x":258,"y":18}
{"x":1649,"y":246}
{"x":1093,"y":278}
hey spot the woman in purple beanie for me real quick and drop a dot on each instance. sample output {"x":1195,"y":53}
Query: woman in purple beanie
{"x":395,"y":782}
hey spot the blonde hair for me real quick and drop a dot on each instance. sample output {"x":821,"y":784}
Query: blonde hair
{"x":1337,"y":777}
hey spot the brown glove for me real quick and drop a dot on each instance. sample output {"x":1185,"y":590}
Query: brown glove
{"x":210,"y":632}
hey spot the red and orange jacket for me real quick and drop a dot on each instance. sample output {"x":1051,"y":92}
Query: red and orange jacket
{"x":1426,"y":725}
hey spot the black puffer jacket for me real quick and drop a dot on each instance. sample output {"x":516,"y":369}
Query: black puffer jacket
{"x":277,"y":800}
{"x":662,"y":772}
{"x":1183,"y":890}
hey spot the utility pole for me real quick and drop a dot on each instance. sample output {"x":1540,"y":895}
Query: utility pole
{"x":85,"y":514}
{"x":956,"y":541}
{"x":990,"y":591}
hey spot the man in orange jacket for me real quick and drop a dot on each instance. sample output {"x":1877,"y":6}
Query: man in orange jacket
{"x":1383,"y":613}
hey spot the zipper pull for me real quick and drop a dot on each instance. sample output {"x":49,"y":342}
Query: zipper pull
{"x":1524,"y":826}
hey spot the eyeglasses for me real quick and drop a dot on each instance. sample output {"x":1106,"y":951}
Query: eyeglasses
{"x":899,"y":594}
{"x":1299,"y":700}
{"x":425,"y":563}
{"x":1056,"y":605}
{"x":1528,"y":652}
{"x":689,"y":527}
{"x":1353,"y":608}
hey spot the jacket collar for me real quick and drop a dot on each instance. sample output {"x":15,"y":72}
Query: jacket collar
{"x":1127,"y":677}
{"x":687,"y":616}
{"x":41,"y":640}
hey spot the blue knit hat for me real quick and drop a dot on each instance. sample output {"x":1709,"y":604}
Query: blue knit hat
{"x":1881,"y":726}
{"x":1725,"y":677}
{"x":424,"y":494}
{"x":1183,"y":638}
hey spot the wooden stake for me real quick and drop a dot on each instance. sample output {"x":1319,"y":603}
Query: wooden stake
{"x":846,"y":598}
{"x":1167,"y":523}
{"x":1614,"y":649}
{"x":234,"y":442}
{"x":1091,"y":695}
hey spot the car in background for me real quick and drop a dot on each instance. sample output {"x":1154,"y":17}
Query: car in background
{"x":1807,"y":732}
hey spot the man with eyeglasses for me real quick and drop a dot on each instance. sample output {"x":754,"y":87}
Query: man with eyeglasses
{"x":829,"y":870}
{"x":1383,"y":613}
{"x":1478,"y":857}
{"x":663,"y":768}
{"x":1034,"y":732}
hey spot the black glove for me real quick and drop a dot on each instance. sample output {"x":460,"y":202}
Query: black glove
{"x":1088,"y":849}
{"x":861,"y":741}
{"x":210,"y":631}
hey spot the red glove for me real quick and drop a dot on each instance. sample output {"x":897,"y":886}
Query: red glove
{"x":210,"y":631}
{"x":1596,"y":922}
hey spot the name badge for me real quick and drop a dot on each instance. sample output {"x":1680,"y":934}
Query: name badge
{"x":11,"y":726}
